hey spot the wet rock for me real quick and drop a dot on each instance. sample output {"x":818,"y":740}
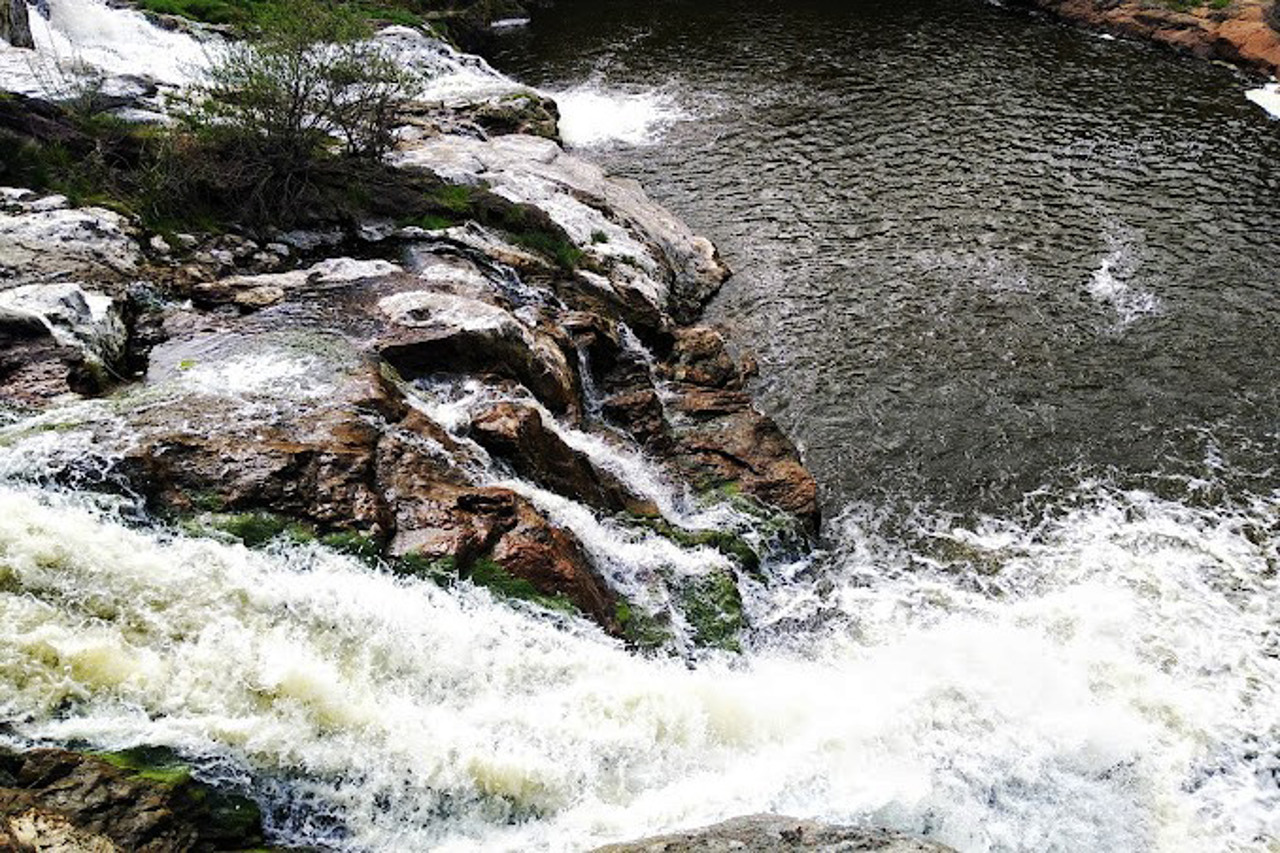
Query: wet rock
{"x":518,"y":434}
{"x":435,"y":332}
{"x":770,"y":833}
{"x":699,"y":357}
{"x":57,"y":339}
{"x":54,"y":800}
{"x":524,"y":113}
{"x":719,"y":439}
{"x":85,"y":244}
{"x":252,"y":292}
{"x":15,"y":27}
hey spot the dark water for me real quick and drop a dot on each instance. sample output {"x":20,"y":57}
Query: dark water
{"x":978,"y":252}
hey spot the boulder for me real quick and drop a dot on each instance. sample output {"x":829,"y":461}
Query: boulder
{"x":721,"y":439}
{"x":55,"y":800}
{"x":57,"y":339}
{"x":771,"y":833}
{"x":647,"y":253}
{"x":77,"y":244}
{"x":434,"y":332}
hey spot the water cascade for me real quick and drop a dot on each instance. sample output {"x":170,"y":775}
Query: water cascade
{"x":1096,"y":668}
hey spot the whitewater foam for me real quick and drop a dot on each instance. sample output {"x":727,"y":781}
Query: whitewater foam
{"x":1267,"y":97}
{"x":593,"y":116}
{"x":1114,"y":695}
{"x":1112,"y":284}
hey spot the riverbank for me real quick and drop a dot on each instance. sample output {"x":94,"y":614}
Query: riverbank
{"x":1244,"y":33}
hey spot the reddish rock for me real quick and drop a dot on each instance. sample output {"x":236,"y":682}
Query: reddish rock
{"x":518,"y":434}
{"x":1240,"y":34}
{"x":723,"y":439}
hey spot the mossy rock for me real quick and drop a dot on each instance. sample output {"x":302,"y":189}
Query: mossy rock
{"x":252,"y":529}
{"x":642,"y":630}
{"x":712,"y":605}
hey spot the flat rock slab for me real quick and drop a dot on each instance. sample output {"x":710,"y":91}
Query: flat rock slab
{"x":769,"y":833}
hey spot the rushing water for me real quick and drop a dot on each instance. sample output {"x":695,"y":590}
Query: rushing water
{"x":1015,"y":289}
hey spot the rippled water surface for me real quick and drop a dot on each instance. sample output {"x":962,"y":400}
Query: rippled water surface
{"x":978,"y":252}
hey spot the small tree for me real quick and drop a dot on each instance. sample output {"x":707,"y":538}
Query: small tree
{"x":310,"y":82}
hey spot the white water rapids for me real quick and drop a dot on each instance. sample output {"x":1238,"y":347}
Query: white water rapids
{"x":1110,"y":682}
{"x":1101,"y":675}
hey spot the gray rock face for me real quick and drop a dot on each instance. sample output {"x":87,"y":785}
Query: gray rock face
{"x":644,"y":251}
{"x":15,"y":28}
{"x":43,"y":241}
{"x":770,"y":833}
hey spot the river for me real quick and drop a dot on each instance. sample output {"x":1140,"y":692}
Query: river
{"x":1012,"y":286}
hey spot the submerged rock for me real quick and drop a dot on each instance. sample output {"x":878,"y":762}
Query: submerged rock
{"x":770,"y":833}
{"x":55,"y":800}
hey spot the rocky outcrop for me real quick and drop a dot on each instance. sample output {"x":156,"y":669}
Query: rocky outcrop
{"x":15,"y":27}
{"x":644,"y":261}
{"x":55,"y":800}
{"x":502,"y":361}
{"x":44,"y":239}
{"x":1242,"y":33}
{"x":770,"y":833}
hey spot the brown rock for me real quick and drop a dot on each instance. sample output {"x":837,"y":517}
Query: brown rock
{"x":518,"y":434}
{"x":723,"y":439}
{"x":699,"y":358}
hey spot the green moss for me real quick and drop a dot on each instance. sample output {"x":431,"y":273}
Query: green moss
{"x":156,"y":764}
{"x":441,"y":570}
{"x":712,"y":605}
{"x":253,"y":529}
{"x":566,"y":255}
{"x":598,"y":237}
{"x":499,"y":581}
{"x":726,"y":542}
{"x":356,"y":544}
{"x":642,"y":630}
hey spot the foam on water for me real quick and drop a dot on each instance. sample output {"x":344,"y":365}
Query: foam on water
{"x":1267,"y":97}
{"x":593,"y":116}
{"x":1113,"y":688}
{"x":1112,"y":284}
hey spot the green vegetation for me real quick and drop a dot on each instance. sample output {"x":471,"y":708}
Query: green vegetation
{"x":253,"y":529}
{"x":155,"y":764}
{"x":598,"y":237}
{"x":291,"y":123}
{"x":730,"y":544}
{"x":643,"y":631}
{"x":712,"y":605}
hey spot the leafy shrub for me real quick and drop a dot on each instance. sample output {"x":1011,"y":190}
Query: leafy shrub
{"x":274,"y":107}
